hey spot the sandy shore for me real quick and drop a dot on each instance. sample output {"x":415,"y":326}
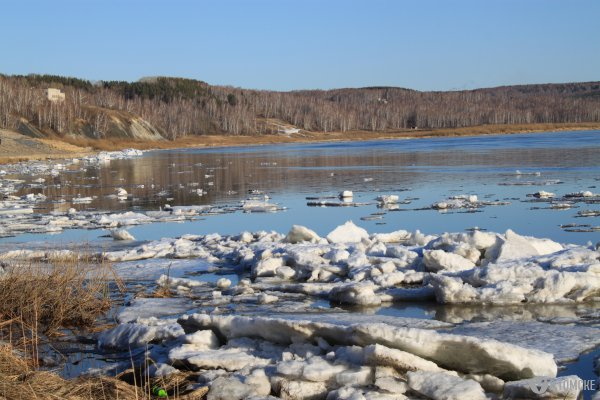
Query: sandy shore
{"x":16,"y":147}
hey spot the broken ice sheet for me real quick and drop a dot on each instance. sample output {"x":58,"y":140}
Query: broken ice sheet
{"x":152,"y":269}
{"x":566,"y":342}
{"x":142,"y":307}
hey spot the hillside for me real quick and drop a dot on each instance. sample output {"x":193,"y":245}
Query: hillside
{"x":154,"y":109}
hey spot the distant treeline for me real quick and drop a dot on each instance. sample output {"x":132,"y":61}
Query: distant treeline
{"x":179,"y":107}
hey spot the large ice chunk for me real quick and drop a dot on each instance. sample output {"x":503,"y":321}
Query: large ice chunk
{"x":299,"y":233}
{"x":439,"y":260}
{"x":461,"y":353}
{"x":355,"y":293}
{"x":347,"y":233}
{"x":514,"y":246}
{"x":443,"y":386}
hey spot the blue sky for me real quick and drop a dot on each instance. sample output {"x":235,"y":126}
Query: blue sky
{"x":304,"y":44}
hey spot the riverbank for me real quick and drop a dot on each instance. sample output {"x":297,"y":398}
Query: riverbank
{"x":16,"y":147}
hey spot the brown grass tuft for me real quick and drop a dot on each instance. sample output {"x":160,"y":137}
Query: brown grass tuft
{"x":37,"y":300}
{"x":46,"y":297}
{"x":19,"y":380}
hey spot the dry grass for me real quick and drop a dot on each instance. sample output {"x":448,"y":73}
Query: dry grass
{"x":19,"y":380}
{"x":37,"y":300}
{"x":65,"y":293}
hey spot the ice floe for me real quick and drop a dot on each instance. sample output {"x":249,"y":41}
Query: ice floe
{"x":302,"y":359}
{"x":337,"y":355}
{"x":350,"y":266}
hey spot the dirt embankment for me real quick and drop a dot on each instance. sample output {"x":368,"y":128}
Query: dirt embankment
{"x":17,"y":147}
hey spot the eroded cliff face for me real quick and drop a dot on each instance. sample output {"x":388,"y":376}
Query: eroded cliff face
{"x":103,"y":123}
{"x":100,"y":123}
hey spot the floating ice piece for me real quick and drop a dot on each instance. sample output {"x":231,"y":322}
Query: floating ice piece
{"x":565,"y":341}
{"x":131,"y":335}
{"x":255,"y":386}
{"x":388,"y":199}
{"x":16,"y":210}
{"x":26,"y":254}
{"x":264,"y":298}
{"x":31,"y":197}
{"x":231,"y":359}
{"x":148,"y":307}
{"x":347,"y":233}
{"x":443,"y":386}
{"x":543,"y":195}
{"x":169,"y":281}
{"x":121,"y":194}
{"x":121,"y":234}
{"x":299,"y":233}
{"x":122,"y":219}
{"x":259,"y":206}
{"x":346,"y":202}
{"x":585,"y":193}
{"x":82,"y":200}
{"x":223,"y":283}
{"x":202,"y":340}
{"x":355,"y":293}
{"x":513,"y":246}
{"x":439,"y":260}
{"x":377,"y":354}
{"x":346,"y":194}
{"x":588,"y":213}
{"x":442,"y":205}
{"x":393,"y":237}
{"x":302,"y":390}
{"x":536,"y":173}
{"x":267,"y":266}
{"x":130,"y":152}
{"x":464,"y":201}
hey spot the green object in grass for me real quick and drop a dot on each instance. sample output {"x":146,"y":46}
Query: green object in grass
{"x":159,"y":392}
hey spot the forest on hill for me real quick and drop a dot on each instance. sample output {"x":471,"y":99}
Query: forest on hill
{"x":177,"y":107}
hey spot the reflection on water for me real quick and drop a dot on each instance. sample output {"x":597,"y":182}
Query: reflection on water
{"x":228,"y":174}
{"x":424,"y":171}
{"x":459,"y":313}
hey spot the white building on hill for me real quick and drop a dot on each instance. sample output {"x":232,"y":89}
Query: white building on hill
{"x":55,"y":95}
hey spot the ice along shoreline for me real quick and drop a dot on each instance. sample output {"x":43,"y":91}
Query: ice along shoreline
{"x":295,"y":357}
